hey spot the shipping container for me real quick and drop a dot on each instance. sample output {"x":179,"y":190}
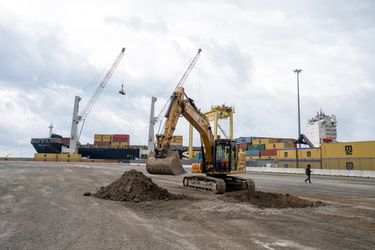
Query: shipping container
{"x":256,"y":147}
{"x":309,"y":153}
{"x":244,"y":140}
{"x":363,"y":149}
{"x":69,"y":157}
{"x":120,"y":138}
{"x":102,"y":137}
{"x":286,"y":153}
{"x":268,"y":152}
{"x":367,"y":164}
{"x":279,"y":145}
{"x":45,"y":157}
{"x":252,"y":152}
{"x":264,"y":141}
{"x":243,"y":145}
{"x":120,"y":144}
{"x":252,"y":157}
{"x":302,"y":163}
{"x":102,"y":143}
{"x":268,"y":157}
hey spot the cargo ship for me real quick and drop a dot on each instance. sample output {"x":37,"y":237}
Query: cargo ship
{"x":104,"y":147}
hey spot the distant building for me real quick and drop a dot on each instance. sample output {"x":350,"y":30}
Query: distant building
{"x":322,"y":129}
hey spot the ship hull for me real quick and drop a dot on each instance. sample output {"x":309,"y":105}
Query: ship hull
{"x":54,"y":146}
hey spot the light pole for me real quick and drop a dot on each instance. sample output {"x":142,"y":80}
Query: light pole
{"x":299,"y":116}
{"x":299,"y":112}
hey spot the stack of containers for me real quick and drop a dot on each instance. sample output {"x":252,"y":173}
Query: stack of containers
{"x":270,"y":150}
{"x":287,"y":158}
{"x":348,"y":155}
{"x":120,"y":140}
{"x":102,"y":140}
{"x":243,"y":143}
{"x":69,"y":157}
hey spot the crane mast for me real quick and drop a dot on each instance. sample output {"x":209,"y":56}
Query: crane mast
{"x":74,"y":136}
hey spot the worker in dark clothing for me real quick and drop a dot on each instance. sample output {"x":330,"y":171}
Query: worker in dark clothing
{"x":308,"y":173}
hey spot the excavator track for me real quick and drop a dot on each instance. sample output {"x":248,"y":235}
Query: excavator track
{"x":218,"y":185}
{"x":215,"y":185}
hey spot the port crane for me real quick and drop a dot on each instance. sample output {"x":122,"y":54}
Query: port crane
{"x":74,"y":136}
{"x":153,"y":120}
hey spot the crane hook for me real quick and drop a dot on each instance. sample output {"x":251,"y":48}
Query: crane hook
{"x":122,"y":90}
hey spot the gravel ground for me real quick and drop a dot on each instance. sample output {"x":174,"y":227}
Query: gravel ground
{"x":42,"y":207}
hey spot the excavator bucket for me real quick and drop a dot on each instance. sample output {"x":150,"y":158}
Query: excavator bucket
{"x":169,"y":165}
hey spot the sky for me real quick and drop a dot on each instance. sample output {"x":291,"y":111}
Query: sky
{"x":52,"y":51}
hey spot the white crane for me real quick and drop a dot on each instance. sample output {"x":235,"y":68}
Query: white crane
{"x":180,"y":84}
{"x":74,"y":137}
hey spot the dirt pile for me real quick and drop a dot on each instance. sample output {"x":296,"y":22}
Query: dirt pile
{"x":268,"y":200}
{"x":135,"y":186}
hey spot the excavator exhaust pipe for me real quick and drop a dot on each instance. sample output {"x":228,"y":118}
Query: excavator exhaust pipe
{"x":169,"y":165}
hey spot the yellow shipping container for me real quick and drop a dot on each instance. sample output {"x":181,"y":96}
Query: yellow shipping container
{"x":302,"y":163}
{"x":252,"y":157}
{"x":309,"y":153}
{"x":286,"y":164}
{"x":367,"y":164}
{"x":279,"y":145}
{"x":120,"y":143}
{"x":264,"y":141}
{"x":286,"y":154}
{"x":177,"y":137}
{"x":363,"y":149}
{"x":45,"y":157}
{"x":268,"y":157}
{"x":69,"y":157}
{"x":102,"y":137}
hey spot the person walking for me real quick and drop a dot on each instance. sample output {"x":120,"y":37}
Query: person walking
{"x":308,"y":173}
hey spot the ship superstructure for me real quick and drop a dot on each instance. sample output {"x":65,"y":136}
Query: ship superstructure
{"x":322,"y":129}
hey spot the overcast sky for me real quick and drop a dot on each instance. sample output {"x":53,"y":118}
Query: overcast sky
{"x":52,"y":51}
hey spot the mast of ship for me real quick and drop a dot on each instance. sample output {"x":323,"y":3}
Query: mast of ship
{"x":50,"y":130}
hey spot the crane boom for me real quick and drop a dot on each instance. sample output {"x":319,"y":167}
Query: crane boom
{"x":101,"y":86}
{"x":180,"y":83}
{"x":189,"y":69}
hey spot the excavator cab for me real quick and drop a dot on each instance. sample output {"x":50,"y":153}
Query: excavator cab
{"x":224,"y":156}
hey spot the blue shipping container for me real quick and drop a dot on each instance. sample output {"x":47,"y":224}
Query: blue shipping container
{"x":252,"y":152}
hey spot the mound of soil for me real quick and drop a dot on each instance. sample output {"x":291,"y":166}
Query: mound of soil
{"x":269,"y":200}
{"x":135,"y":186}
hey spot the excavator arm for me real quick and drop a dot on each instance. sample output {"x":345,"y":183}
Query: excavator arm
{"x":165,"y":161}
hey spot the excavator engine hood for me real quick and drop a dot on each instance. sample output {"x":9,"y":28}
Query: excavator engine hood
{"x":169,"y":165}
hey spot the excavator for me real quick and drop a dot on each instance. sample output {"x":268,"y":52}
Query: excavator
{"x":221,"y":157}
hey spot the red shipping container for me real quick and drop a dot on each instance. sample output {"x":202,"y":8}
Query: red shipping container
{"x":268,"y":152}
{"x":120,"y":138}
{"x":243,"y":145}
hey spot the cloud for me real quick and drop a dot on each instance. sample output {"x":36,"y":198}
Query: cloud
{"x":51,"y":52}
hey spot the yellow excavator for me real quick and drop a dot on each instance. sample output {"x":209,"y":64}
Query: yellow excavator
{"x":221,"y":157}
